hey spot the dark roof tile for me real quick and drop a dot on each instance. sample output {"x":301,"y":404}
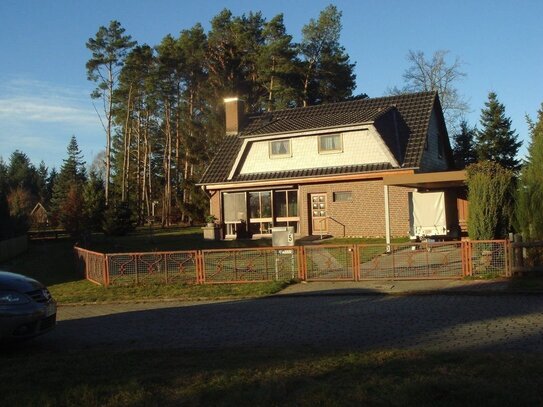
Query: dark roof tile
{"x":311,"y":172}
{"x":414,"y":109}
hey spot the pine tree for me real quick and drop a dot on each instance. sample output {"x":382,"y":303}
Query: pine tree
{"x":94,"y":202}
{"x":5,"y":220}
{"x":50,"y":184}
{"x":326,"y":73}
{"x":41,"y":182}
{"x":276,"y":65}
{"x":464,"y":146}
{"x":70,"y":214}
{"x":108,"y":47}
{"x":530,"y":192}
{"x":22,"y":173}
{"x":496,"y":141}
{"x":3,"y":178}
{"x":72,"y":173}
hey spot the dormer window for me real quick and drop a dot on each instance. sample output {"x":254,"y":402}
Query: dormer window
{"x":280,"y":149}
{"x":331,"y":143}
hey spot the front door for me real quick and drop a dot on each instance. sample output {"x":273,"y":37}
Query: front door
{"x":319,"y":219}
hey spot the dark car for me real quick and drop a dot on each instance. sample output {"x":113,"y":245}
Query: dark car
{"x":26,"y":307}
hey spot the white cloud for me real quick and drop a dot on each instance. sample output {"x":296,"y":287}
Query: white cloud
{"x":39,"y":118}
{"x":29,"y":101}
{"x":42,"y":110}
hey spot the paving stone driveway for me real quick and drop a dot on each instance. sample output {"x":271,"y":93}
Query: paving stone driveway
{"x":434,"y":322}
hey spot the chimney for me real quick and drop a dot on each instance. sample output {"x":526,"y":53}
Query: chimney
{"x":235,"y":112}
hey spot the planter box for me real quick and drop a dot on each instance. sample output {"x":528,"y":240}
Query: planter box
{"x":211,"y":233}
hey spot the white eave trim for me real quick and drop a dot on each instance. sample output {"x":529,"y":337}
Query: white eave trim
{"x":309,"y":179}
{"x":238,"y":159}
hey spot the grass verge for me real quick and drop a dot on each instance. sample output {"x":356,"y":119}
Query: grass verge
{"x":85,"y":292}
{"x":52,"y":263}
{"x":286,"y":377}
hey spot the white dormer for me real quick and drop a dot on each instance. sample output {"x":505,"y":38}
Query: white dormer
{"x":304,"y":151}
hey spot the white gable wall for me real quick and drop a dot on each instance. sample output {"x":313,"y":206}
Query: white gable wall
{"x":359,"y":147}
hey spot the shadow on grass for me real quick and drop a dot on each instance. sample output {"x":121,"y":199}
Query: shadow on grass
{"x":48,"y":261}
{"x":299,"y":376}
{"x":52,"y":261}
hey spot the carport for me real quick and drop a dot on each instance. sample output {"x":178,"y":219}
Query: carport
{"x":436,"y":181}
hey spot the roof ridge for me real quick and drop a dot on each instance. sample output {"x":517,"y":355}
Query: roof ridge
{"x":343,"y":102}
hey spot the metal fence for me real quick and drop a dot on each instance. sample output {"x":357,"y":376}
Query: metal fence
{"x":310,"y":263}
{"x":154,"y":267}
{"x":250,"y":265}
{"x":92,"y":265}
{"x":328,"y":262}
{"x":488,"y":258}
{"x":411,"y":261}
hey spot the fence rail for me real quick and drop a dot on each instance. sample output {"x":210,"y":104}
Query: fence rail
{"x":404,"y":261}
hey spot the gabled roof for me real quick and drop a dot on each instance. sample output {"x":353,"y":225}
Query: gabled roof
{"x":37,"y":207}
{"x":415,"y":110}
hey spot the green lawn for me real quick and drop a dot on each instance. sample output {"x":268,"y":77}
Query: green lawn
{"x":270,"y":377}
{"x":52,"y":263}
{"x":169,"y":239}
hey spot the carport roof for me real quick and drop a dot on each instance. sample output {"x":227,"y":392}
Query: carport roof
{"x":433,"y":180}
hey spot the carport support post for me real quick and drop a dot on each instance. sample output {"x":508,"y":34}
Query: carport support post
{"x":387,"y":218}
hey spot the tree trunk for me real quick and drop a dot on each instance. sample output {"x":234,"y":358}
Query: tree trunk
{"x":108,"y":131}
{"x":126,"y":157}
{"x":270,"y":93}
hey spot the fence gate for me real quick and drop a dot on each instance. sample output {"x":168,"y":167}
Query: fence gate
{"x":326,"y":263}
{"x":411,"y":261}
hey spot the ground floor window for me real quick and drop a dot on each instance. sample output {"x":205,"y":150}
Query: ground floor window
{"x":260,"y":209}
{"x":286,"y":209}
{"x":257,"y":212}
{"x":235,"y":212}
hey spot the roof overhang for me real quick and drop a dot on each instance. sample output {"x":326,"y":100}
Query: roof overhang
{"x":308,"y":180}
{"x":430,"y":180}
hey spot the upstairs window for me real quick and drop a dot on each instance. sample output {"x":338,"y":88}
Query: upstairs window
{"x":280,"y":149}
{"x":330,"y":143}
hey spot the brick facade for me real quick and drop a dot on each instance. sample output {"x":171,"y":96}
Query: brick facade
{"x":364,"y":214}
{"x":215,"y":205}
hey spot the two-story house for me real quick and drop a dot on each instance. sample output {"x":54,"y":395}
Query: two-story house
{"x":324,"y":169}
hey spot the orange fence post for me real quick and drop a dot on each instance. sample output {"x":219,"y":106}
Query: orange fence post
{"x":197,"y":264}
{"x":106,"y":271}
{"x":507,"y":252}
{"x":356,"y":265}
{"x":465,"y":258}
{"x":302,"y":270}
{"x":470,"y":259}
{"x":201,"y":267}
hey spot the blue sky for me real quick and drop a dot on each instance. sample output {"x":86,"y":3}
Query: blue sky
{"x":44,"y":92}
